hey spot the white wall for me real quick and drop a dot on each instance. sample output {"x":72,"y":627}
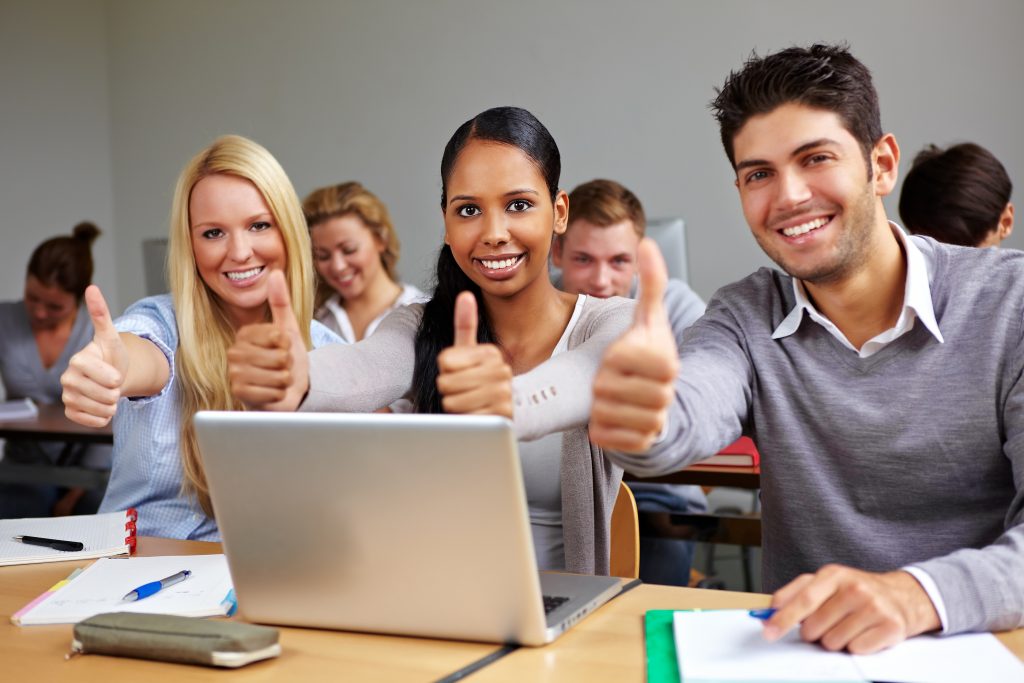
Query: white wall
{"x":371,"y":90}
{"x":54,"y":133}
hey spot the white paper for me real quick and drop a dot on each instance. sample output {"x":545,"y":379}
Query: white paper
{"x":728,"y":645}
{"x":18,"y":409}
{"x":101,"y":587}
{"x":102,"y":535}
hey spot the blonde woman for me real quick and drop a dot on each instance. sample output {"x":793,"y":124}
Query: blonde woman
{"x":355,"y":251}
{"x":235,"y":219}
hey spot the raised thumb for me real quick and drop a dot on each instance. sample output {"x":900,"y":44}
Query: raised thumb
{"x":650,"y":306}
{"x":281,"y":303}
{"x":104,"y":333}
{"x":465,"y":319}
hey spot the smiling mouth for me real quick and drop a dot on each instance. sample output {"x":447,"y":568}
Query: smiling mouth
{"x":804,"y":228}
{"x":243,"y":275}
{"x":503,"y":263}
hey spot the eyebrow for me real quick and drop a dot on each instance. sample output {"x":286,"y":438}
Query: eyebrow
{"x":820,"y":142}
{"x":510,"y":193}
{"x":265,"y":215}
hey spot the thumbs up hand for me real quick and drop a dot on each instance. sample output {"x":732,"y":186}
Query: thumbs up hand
{"x":92,"y":383}
{"x":635,"y":383}
{"x":267,"y":365}
{"x":473,"y":378}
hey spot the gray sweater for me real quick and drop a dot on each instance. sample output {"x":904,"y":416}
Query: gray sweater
{"x":553,"y":397}
{"x":913,"y":456}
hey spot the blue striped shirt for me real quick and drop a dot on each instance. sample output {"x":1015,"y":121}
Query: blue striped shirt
{"x":146,"y":471}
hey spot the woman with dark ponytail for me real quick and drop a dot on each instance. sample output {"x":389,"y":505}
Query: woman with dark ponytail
{"x":486,"y":341}
{"x":38,"y":336}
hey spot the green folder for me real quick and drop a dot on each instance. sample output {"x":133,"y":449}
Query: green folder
{"x":662,"y":665}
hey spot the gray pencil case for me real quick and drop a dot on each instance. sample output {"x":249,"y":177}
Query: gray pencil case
{"x":167,"y":638}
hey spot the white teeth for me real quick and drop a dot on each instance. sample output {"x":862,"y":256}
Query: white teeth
{"x":244,"y":274}
{"x":503,"y":263}
{"x":804,"y":227}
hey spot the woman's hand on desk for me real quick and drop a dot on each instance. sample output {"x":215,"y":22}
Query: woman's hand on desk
{"x":636,"y":381}
{"x":473,"y":378}
{"x":95,"y":375}
{"x":267,"y":365}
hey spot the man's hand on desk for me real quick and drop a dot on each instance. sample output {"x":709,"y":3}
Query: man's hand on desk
{"x":845,"y":608}
{"x":635,"y":384}
{"x":473,"y":378}
{"x":267,"y":365}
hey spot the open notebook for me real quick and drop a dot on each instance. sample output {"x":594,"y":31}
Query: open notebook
{"x":101,"y":587}
{"x":105,"y":535}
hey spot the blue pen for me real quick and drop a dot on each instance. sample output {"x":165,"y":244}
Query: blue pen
{"x":762,"y":614}
{"x":147,"y":589}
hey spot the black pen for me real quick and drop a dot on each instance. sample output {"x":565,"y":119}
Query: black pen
{"x":70,"y":546}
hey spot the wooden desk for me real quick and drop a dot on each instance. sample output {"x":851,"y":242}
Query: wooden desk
{"x":705,"y":475}
{"x":53,"y":425}
{"x":606,"y":646}
{"x":36,"y":653}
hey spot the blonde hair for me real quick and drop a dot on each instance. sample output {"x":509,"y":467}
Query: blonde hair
{"x":346,"y":199}
{"x":204,"y":330}
{"x":604,"y":203}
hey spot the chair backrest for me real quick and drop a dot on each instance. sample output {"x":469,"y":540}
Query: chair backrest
{"x":670,"y":235}
{"x":624,"y":553}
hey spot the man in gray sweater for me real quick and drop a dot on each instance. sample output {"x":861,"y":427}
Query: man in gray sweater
{"x":880,"y":375}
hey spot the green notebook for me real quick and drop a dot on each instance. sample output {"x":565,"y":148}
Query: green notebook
{"x":662,"y":665}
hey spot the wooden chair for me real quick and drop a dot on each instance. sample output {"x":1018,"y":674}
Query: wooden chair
{"x":625,"y":536}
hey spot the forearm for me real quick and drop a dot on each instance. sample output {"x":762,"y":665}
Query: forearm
{"x":148,"y":370}
{"x":982,"y":588}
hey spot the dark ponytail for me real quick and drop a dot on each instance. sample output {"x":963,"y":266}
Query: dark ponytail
{"x":507,"y":125}
{"x":66,"y":261}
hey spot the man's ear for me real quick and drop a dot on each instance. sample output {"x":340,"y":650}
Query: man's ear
{"x":556,"y":251}
{"x":885,"y":161}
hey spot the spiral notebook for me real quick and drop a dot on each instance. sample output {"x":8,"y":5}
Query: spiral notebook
{"x":103,"y":535}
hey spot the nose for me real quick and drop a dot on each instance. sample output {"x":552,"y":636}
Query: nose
{"x":791,"y":190}
{"x":495,"y":230}
{"x":602,"y":277}
{"x":240,"y":246}
{"x":338,"y":262}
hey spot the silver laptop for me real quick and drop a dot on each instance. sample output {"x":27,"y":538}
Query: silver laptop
{"x":402,"y":524}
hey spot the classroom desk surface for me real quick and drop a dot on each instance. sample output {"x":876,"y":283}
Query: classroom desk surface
{"x":606,"y":646}
{"x":707,"y":475}
{"x":53,"y":425}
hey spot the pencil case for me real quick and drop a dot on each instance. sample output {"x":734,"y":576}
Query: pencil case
{"x":168,"y":638}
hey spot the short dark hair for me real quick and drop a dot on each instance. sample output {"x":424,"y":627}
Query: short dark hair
{"x":955,"y":195}
{"x":66,"y":261}
{"x":822,"y":76}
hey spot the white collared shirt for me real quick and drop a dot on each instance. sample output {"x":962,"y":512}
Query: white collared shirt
{"x":917,"y":305}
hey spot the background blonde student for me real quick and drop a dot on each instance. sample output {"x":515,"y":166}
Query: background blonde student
{"x":234,"y":220}
{"x":38,"y":336}
{"x":482,"y":343}
{"x":355,"y":251}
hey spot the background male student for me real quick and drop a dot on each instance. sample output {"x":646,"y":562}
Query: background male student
{"x":880,"y":375}
{"x":597,"y":255}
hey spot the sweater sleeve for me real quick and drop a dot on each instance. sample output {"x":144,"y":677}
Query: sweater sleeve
{"x":368,"y":375}
{"x":712,"y":396}
{"x":557,"y":394}
{"x":983,"y":588}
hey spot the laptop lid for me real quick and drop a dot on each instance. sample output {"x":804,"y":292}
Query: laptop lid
{"x":401,"y":524}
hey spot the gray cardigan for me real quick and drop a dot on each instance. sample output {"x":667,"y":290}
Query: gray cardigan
{"x":553,"y":397}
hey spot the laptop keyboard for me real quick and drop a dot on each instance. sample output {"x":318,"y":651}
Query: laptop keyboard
{"x":552,"y":602}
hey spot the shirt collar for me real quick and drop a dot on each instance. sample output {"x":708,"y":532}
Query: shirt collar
{"x":917,"y":300}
